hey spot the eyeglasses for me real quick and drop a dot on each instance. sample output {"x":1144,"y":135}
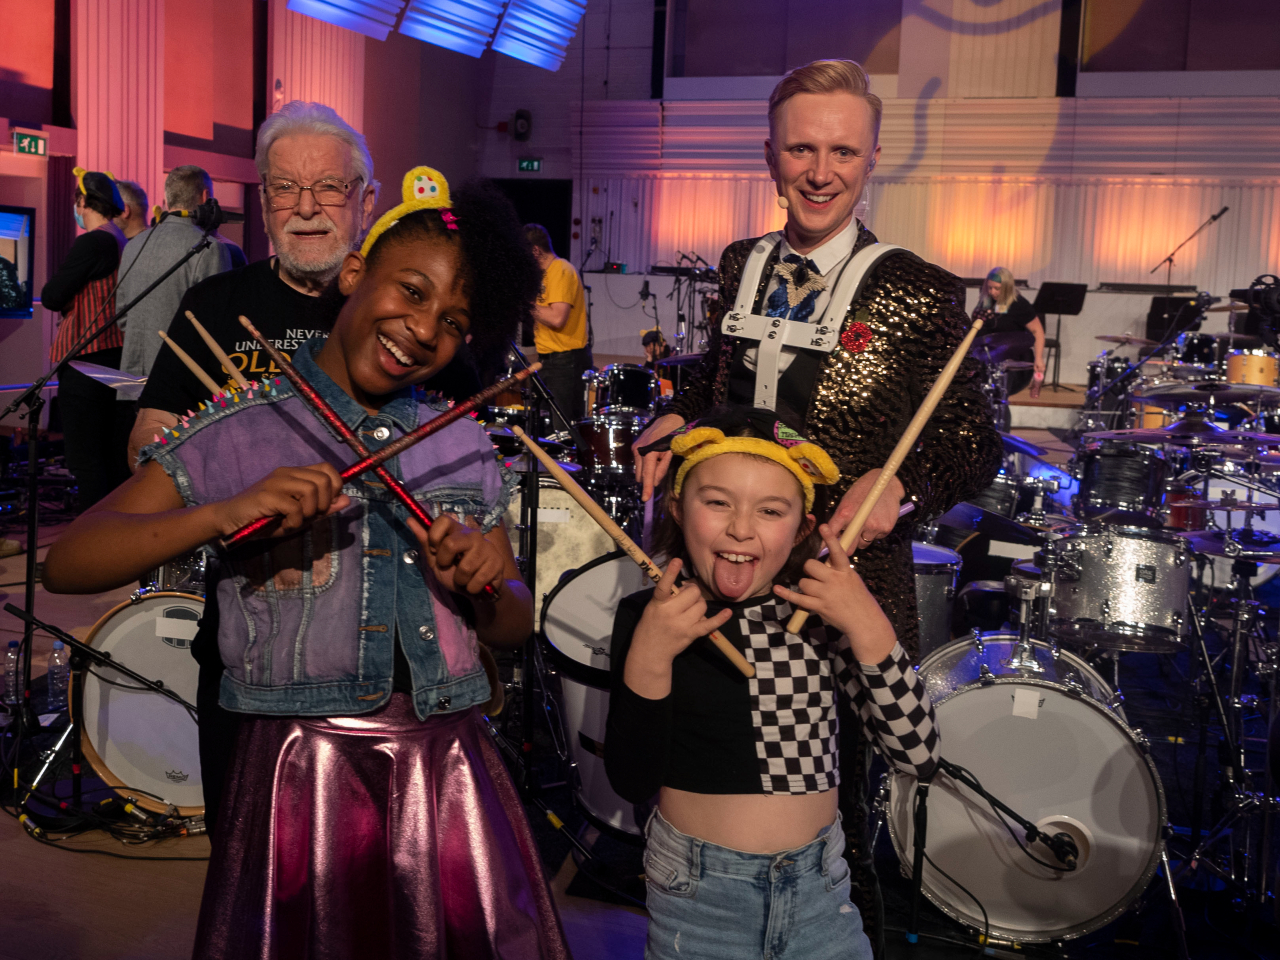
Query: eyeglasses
{"x":330,"y":192}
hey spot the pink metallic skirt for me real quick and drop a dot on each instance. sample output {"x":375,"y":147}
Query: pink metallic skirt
{"x":381,"y":836}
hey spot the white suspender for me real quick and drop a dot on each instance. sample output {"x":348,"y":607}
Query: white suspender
{"x":773,"y":333}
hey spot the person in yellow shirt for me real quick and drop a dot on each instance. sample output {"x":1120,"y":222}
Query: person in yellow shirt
{"x":560,"y":328}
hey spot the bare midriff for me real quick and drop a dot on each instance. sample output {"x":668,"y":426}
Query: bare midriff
{"x":750,"y":822}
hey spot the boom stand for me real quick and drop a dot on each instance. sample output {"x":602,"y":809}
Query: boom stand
{"x":33,"y":400}
{"x":536,"y":392}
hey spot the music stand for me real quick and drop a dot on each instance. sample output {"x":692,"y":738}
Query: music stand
{"x":1063,"y":299}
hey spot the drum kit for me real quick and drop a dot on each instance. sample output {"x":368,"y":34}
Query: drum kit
{"x":1154,"y":538}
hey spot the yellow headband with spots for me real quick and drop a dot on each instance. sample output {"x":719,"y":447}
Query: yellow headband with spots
{"x":807,"y":461}
{"x":423,"y":188}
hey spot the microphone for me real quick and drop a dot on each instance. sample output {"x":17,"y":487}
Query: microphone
{"x":644,"y":291}
{"x":208,"y":216}
{"x":1219,"y":213}
{"x":1064,"y":848}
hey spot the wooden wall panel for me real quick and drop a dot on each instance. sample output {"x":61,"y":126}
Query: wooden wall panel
{"x":315,"y":61}
{"x":118,"y":88}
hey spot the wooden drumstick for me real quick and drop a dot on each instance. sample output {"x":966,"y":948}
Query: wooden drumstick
{"x":905,"y":443}
{"x":218,"y":352}
{"x":191,"y":364}
{"x":620,"y":537}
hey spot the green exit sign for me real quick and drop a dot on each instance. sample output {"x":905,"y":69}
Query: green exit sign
{"x":530,"y":164}
{"x":30,"y":143}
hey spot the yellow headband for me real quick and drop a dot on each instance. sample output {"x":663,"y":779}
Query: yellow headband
{"x":79,"y":172}
{"x":807,"y":461}
{"x":423,"y":188}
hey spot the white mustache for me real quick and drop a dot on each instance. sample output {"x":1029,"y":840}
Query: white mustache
{"x":297,"y":225}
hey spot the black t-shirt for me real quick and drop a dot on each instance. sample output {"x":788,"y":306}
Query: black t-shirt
{"x":287,"y":317}
{"x":1015,"y":318}
{"x":94,"y":255}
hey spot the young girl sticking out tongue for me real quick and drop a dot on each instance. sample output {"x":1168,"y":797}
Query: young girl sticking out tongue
{"x":367,"y":812}
{"x":744,"y":854}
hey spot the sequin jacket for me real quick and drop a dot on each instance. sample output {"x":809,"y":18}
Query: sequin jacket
{"x":895,"y":340}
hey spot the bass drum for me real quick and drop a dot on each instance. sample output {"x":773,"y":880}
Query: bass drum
{"x":577,"y":629}
{"x":566,"y":534}
{"x":142,"y":743}
{"x":1045,"y":743}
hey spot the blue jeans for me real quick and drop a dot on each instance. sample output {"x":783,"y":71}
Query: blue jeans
{"x":708,"y":902}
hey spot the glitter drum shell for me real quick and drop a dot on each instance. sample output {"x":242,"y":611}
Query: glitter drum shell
{"x":380,"y":836}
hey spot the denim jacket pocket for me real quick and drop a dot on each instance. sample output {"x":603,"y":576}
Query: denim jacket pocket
{"x":668,"y":873}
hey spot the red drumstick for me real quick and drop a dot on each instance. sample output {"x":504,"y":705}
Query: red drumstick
{"x":326,"y":414}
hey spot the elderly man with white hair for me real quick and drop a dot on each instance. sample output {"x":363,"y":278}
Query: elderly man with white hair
{"x":318,"y":194}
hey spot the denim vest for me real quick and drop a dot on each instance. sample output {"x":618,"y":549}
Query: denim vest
{"x":308,"y":622}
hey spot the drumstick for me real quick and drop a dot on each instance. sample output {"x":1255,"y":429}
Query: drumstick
{"x":191,"y":364}
{"x":620,"y":537}
{"x":218,"y":352}
{"x":375,"y":460}
{"x":905,"y":443}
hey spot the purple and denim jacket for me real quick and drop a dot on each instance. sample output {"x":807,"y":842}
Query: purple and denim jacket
{"x":308,"y":622}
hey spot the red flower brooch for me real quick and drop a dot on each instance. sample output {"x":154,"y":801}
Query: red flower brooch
{"x":857,"y":338}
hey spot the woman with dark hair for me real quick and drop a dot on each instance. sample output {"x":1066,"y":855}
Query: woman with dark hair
{"x":1002,"y":309}
{"x":95,"y":425}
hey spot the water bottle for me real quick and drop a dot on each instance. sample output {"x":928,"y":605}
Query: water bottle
{"x":59,"y":673}
{"x":11,"y":673}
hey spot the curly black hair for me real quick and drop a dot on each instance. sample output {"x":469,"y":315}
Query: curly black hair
{"x":502,"y":278}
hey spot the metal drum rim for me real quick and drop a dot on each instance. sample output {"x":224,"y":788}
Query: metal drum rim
{"x":1081,"y":929}
{"x":574,"y":669}
{"x":86,"y":743}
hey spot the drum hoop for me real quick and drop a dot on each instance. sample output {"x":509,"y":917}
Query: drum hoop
{"x":86,"y":745}
{"x":574,"y":669}
{"x":1140,"y":884}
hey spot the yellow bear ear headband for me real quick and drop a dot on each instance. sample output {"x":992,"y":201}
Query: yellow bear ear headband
{"x":807,"y":461}
{"x":79,"y":173}
{"x":423,"y":188}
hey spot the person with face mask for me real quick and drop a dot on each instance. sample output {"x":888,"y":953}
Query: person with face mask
{"x":95,"y":426}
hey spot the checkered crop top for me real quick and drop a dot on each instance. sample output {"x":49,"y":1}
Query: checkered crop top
{"x":776,"y":733}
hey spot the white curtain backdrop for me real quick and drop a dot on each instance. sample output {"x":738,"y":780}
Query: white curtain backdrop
{"x":1086,"y":230}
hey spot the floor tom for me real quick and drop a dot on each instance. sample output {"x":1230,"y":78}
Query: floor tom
{"x":1079,"y":769}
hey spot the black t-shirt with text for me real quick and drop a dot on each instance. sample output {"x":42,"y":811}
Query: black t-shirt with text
{"x":287,"y":317}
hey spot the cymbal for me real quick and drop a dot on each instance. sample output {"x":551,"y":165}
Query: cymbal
{"x":1204,"y":391}
{"x":1017,"y":364}
{"x":1177,"y":370}
{"x":1244,"y":544}
{"x":969,"y":516}
{"x":521,"y":464}
{"x":994,"y":347}
{"x":1014,"y":444}
{"x":1236,"y":339}
{"x":1126,"y":339}
{"x":1189,"y":432}
{"x":1231,"y":506}
{"x":1227,"y":308}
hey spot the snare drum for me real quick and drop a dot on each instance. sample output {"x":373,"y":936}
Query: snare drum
{"x":1120,"y":483}
{"x":142,"y":743}
{"x":1121,"y":588}
{"x":1044,"y":741}
{"x":577,"y":629}
{"x":1252,"y":366}
{"x":566,"y":535}
{"x":624,"y":388}
{"x":936,"y":570}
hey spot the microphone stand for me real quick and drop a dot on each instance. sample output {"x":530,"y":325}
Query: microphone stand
{"x":529,"y":553}
{"x":1168,"y":261}
{"x":33,"y":400}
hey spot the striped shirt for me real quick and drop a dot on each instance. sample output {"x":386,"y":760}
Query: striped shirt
{"x":84,"y":310}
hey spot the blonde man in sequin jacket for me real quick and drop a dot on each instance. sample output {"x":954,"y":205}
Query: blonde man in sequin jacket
{"x":892,"y":341}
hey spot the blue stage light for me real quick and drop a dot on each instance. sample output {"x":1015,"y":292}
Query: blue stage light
{"x":373,"y":18}
{"x":461,"y":25}
{"x":539,"y":31}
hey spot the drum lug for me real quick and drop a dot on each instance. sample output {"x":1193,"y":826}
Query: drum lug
{"x":977,"y":644}
{"x":1115,"y":701}
{"x":985,"y":676}
{"x":1106,"y":611}
{"x":1107,"y":548}
{"x":1141,"y":739}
